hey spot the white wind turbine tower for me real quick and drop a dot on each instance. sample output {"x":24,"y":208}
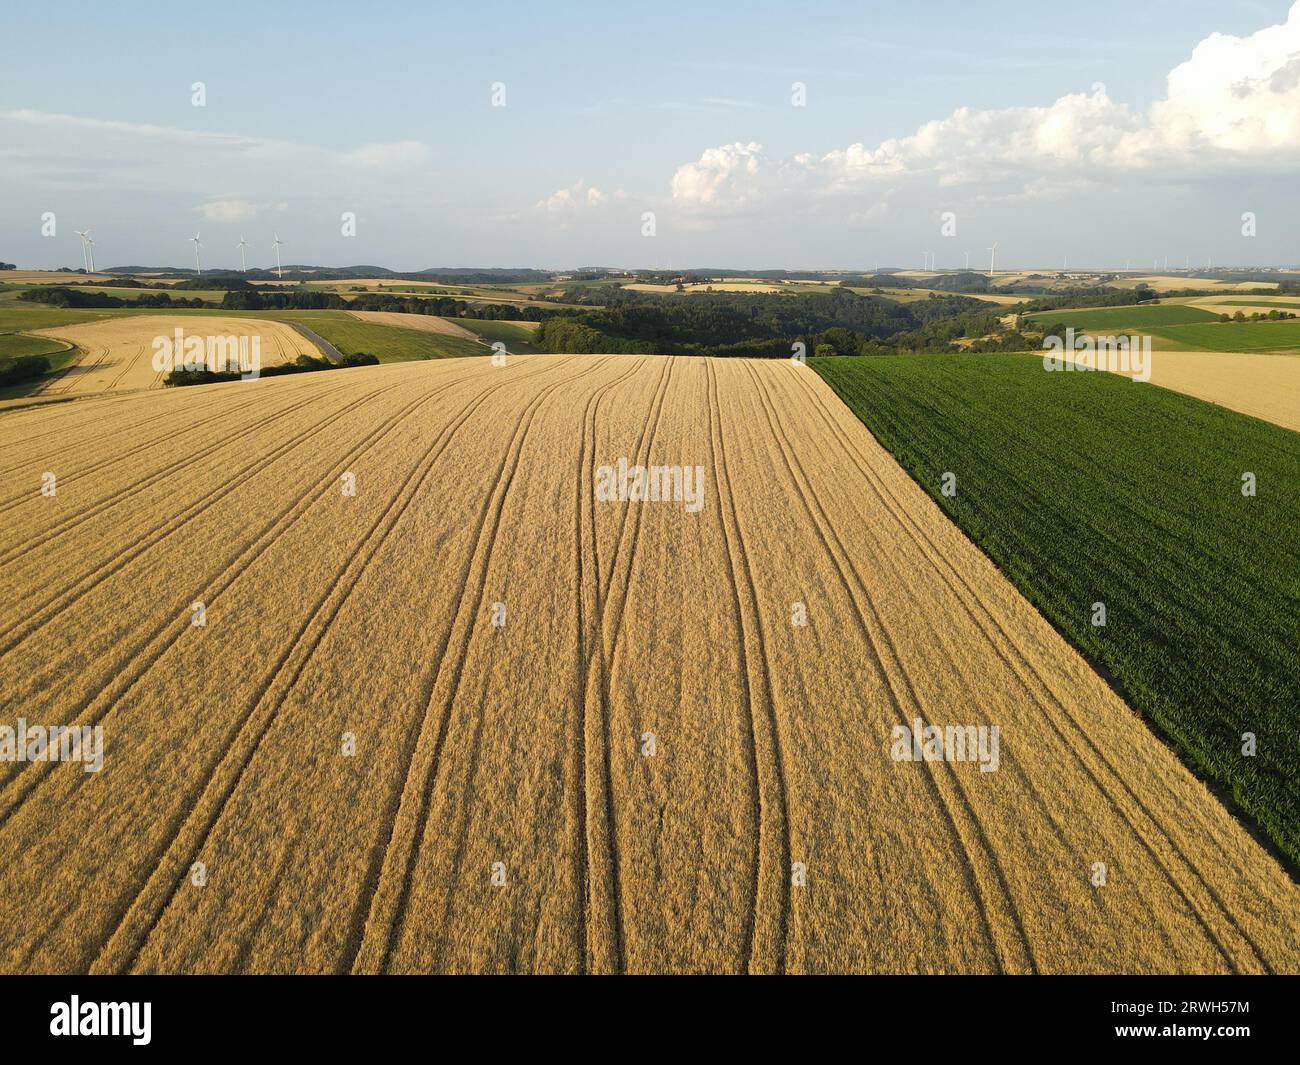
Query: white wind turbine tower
{"x":992,"y":252}
{"x":198,"y":263}
{"x":83,"y":234}
{"x":90,"y":246}
{"x":968,"y":260}
{"x":243,"y":263}
{"x":276,"y":244}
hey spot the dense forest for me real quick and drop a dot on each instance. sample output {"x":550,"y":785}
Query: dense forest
{"x":835,"y":322}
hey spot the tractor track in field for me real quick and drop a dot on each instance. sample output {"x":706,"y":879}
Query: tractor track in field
{"x":966,"y":595}
{"x":769,"y":919}
{"x":384,"y":921}
{"x":521,"y":745}
{"x":588,"y":618}
{"x":146,"y":653}
{"x":605,"y":933}
{"x":52,"y":607}
{"x":127,"y":940}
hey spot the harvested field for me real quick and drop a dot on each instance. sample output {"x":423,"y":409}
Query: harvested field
{"x":1176,"y":283}
{"x":504,"y":809}
{"x":425,"y":323}
{"x":118,"y":352}
{"x":1263,"y":386}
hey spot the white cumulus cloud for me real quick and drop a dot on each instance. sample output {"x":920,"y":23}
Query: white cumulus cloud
{"x":1235,"y":103}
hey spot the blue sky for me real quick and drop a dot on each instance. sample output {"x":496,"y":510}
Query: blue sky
{"x":682,"y":110}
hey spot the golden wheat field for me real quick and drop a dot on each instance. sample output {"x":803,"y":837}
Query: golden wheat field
{"x":117,"y":353}
{"x":480,"y":716}
{"x":1261,"y":385}
{"x":424,"y":323}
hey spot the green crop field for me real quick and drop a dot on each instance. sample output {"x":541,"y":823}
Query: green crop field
{"x":13,"y":345}
{"x":387,"y":343}
{"x":517,"y":338}
{"x":1088,"y":488}
{"x":1230,"y":336}
{"x":15,"y":316}
{"x":1262,"y":303}
{"x":1144,"y":316}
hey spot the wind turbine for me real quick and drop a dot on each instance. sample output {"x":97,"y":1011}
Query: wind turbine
{"x":276,"y":244}
{"x":992,"y":252}
{"x":968,"y":261}
{"x":198,"y":263}
{"x":243,"y":263}
{"x":90,"y":244}
{"x":83,"y":234}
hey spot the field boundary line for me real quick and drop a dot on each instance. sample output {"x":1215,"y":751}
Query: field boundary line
{"x":914,"y":529}
{"x":62,"y":383}
{"x":842,"y":558}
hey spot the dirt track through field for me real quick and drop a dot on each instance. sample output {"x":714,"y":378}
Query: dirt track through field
{"x":588,"y":734}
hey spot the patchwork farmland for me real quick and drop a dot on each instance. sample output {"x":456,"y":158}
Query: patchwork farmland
{"x":387,"y":682}
{"x":1086,"y":488}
